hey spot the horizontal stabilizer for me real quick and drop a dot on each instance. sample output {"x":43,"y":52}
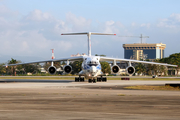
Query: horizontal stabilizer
{"x":90,"y":33}
{"x":89,"y":36}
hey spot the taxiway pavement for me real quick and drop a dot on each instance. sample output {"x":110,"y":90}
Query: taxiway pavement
{"x":66,"y":99}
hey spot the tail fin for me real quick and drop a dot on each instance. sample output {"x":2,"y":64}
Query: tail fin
{"x":89,"y":37}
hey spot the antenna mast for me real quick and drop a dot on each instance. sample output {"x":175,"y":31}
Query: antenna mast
{"x":141,"y":36}
{"x":52,"y":63}
{"x":52,"y":54}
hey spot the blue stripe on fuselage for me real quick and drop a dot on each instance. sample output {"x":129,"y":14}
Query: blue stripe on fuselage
{"x":86,"y":67}
{"x":98,"y":67}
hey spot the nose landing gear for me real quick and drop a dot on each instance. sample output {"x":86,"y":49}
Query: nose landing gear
{"x":92,"y":80}
{"x":79,"y":79}
{"x":99,"y":79}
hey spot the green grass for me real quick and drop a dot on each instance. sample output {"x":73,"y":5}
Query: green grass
{"x":72,"y":78}
{"x":166,"y":79}
{"x":146,"y":87}
{"x":121,"y":94}
{"x":43,"y":78}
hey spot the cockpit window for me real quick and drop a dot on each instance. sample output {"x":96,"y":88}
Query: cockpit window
{"x":92,"y":63}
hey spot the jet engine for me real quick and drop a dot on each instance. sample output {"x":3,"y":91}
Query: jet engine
{"x":52,"y":70}
{"x":130,"y":70}
{"x":67,"y":69}
{"x":115,"y":68}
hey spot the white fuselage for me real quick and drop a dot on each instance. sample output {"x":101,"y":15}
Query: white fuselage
{"x":91,"y":67}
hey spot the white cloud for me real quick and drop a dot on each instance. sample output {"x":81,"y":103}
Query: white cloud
{"x":109,"y":23}
{"x":7,"y":13}
{"x":38,"y":15}
{"x":133,"y":24}
{"x":166,"y":23}
{"x":37,"y":32}
{"x":40,"y":31}
{"x":33,"y":45}
{"x":171,"y":22}
{"x":111,"y":27}
{"x":78,"y":23}
{"x":175,"y":16}
{"x":147,"y":25}
{"x":29,"y":37}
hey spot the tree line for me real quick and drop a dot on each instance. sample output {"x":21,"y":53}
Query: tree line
{"x":147,"y":69}
{"x":143,"y":69}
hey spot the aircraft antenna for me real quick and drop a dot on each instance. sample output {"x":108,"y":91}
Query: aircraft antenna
{"x":52,"y":54}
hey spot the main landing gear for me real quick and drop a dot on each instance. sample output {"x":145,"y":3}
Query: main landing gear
{"x":99,"y":79}
{"x":79,"y":79}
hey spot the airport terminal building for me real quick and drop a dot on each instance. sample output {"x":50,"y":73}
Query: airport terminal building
{"x":139,"y":51}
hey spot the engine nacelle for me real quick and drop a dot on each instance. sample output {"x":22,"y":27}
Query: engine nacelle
{"x":67,"y":69}
{"x":115,"y":69}
{"x":52,"y":70}
{"x":130,"y":70}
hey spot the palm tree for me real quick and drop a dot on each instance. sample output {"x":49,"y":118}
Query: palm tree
{"x":162,"y":69}
{"x":2,"y":69}
{"x":105,"y":67}
{"x":175,"y":59}
{"x":140,"y":69}
{"x":12,"y":69}
{"x":76,"y":66}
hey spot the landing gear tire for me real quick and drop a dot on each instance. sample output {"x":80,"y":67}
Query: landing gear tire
{"x":89,"y":80}
{"x":76,"y":79}
{"x":79,"y":79}
{"x":94,"y":81}
{"x":99,"y":80}
{"x":104,"y":79}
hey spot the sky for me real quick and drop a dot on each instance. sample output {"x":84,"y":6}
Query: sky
{"x":30,"y":28}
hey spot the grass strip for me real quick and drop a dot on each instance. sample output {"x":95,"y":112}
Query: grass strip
{"x":166,"y":79}
{"x":155,"y":79}
{"x":147,"y":87}
{"x":72,"y":78}
{"x":41,"y":78}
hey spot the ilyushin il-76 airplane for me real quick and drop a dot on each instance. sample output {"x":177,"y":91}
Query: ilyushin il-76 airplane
{"x":91,"y":67}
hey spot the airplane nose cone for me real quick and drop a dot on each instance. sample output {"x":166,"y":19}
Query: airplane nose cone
{"x":93,"y":69}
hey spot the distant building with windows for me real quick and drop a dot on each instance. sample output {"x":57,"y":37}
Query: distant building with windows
{"x":139,"y":51}
{"x":83,"y":54}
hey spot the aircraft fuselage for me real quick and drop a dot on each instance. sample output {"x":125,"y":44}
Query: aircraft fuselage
{"x":91,"y":67}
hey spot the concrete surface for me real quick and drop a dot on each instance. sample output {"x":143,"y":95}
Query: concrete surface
{"x":65,"y":99}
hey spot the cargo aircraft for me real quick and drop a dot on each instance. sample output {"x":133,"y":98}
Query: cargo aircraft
{"x":91,"y":67}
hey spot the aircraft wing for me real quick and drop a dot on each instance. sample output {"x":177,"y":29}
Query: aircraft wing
{"x":78,"y":58}
{"x":134,"y":61}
